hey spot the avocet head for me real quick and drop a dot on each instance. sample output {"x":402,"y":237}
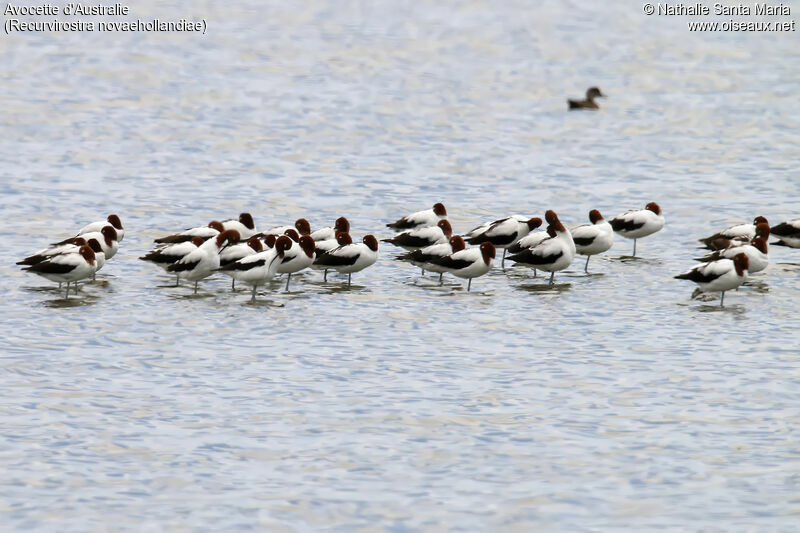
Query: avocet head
{"x":303,"y":226}
{"x":371,"y":242}
{"x":652,"y":206}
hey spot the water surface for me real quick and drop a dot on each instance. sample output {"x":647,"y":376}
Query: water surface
{"x":609,"y":401}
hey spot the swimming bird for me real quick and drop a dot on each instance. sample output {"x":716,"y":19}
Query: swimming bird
{"x":592,"y":239}
{"x":349,"y":257}
{"x":204,"y":261}
{"x":422,"y":237}
{"x":67,"y":268}
{"x":468,"y":263}
{"x":172,"y":253}
{"x":420,"y":219}
{"x":258,"y":268}
{"x":503,"y":233}
{"x":746,"y":231}
{"x":589,"y":103}
{"x":424,"y":257}
{"x":213,"y":229}
{"x":553,"y":254}
{"x":788,"y":232}
{"x":756,"y":252}
{"x":638,"y":223}
{"x":324,"y":234}
{"x":244,"y":225}
{"x":298,"y":257}
{"x":719,"y":276}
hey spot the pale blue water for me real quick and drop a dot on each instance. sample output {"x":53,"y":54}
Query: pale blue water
{"x":608,"y":402}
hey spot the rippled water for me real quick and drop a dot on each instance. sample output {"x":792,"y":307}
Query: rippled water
{"x":609,"y":401}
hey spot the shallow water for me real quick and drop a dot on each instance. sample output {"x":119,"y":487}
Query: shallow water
{"x":606,"y":401}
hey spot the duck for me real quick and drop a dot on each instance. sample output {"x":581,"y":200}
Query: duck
{"x":589,"y":103}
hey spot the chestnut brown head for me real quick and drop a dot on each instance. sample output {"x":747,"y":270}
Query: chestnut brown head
{"x":760,"y":220}
{"x":487,"y":251}
{"x":87,"y":253}
{"x":115,"y":221}
{"x":269,"y":240}
{"x":217,"y":225}
{"x":534,"y":223}
{"x":79,"y":241}
{"x":255,"y":244}
{"x":741,"y":263}
{"x":302,"y":225}
{"x":292,"y":234}
{"x":282,"y":244}
{"x":447,"y":229}
{"x":198,"y":241}
{"x":652,"y":206}
{"x":94,"y":245}
{"x":371,"y":242}
{"x":457,"y":243}
{"x":595,"y":216}
{"x":554,"y":222}
{"x":551,"y":231}
{"x":760,"y":243}
{"x":229,"y":236}
{"x":109,"y":233}
{"x":762,"y":230}
{"x":342,"y":224}
{"x":343,"y":238}
{"x":439,"y":210}
{"x":307,"y":244}
{"x":247,"y":220}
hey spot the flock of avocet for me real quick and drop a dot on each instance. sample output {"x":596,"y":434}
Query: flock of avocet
{"x":236,"y":248}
